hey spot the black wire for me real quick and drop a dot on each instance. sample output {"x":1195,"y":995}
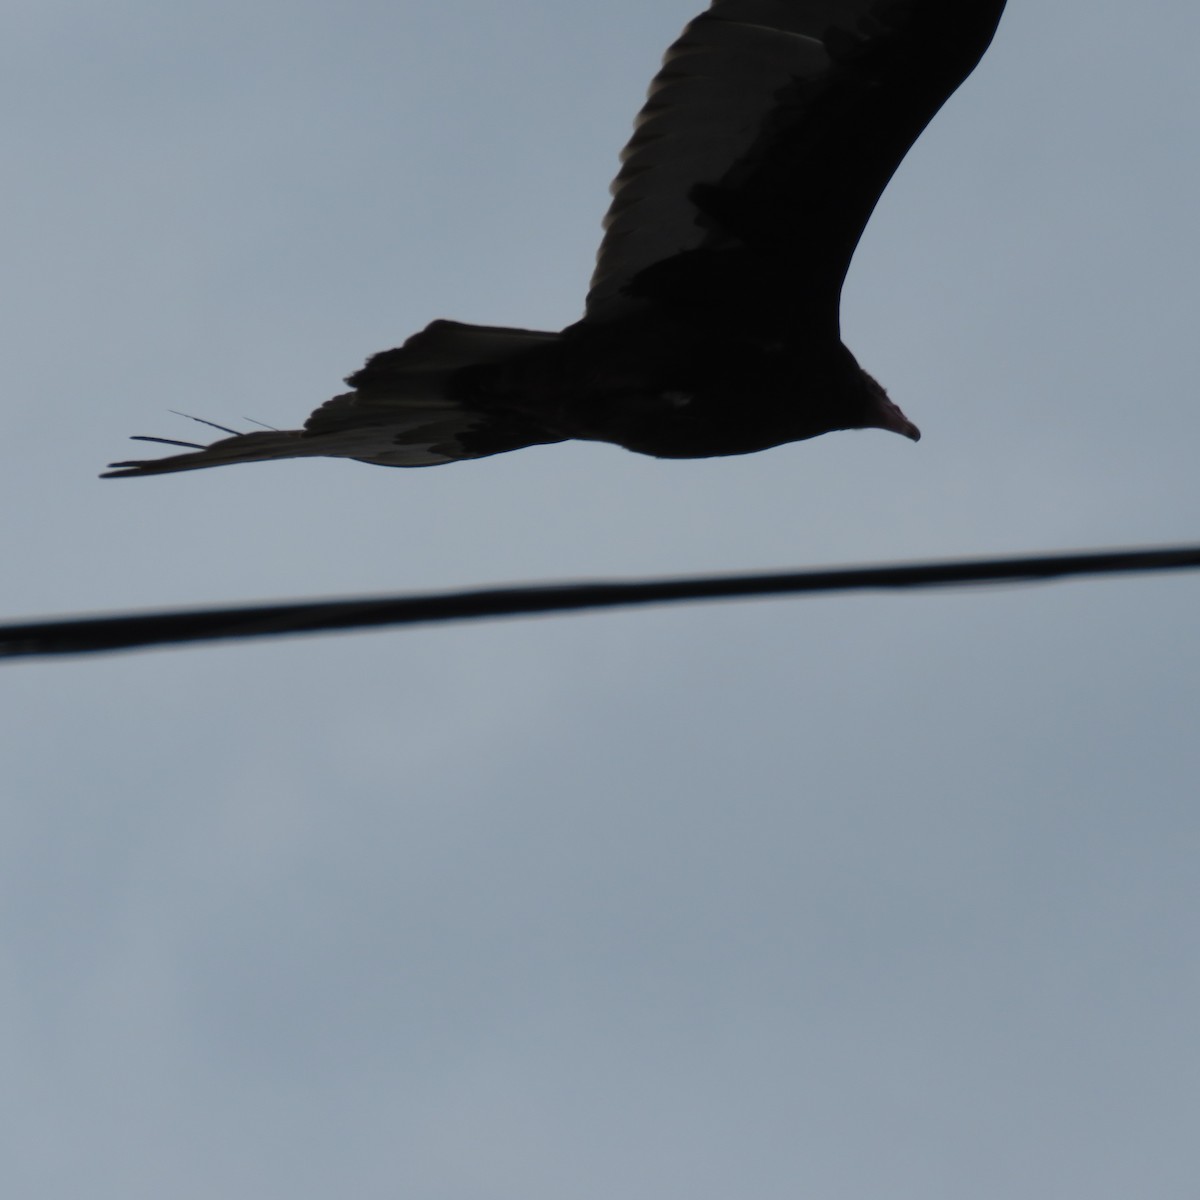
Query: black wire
{"x":88,"y":635}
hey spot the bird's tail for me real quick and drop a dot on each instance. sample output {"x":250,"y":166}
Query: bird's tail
{"x":404,"y":411}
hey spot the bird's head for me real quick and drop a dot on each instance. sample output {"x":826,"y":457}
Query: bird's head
{"x":881,"y":412}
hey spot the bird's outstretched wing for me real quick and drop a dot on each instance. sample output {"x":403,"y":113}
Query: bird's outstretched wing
{"x":401,"y":413}
{"x":766,"y":141}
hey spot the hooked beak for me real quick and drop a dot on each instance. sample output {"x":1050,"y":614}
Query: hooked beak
{"x":890,"y":417}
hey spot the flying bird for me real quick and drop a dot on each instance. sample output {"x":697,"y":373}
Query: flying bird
{"x":712,"y":323}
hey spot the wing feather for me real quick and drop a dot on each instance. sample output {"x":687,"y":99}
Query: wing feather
{"x":773,"y":127}
{"x":403,"y":411}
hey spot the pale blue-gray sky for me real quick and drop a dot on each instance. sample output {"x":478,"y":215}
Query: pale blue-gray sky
{"x":844,"y":898}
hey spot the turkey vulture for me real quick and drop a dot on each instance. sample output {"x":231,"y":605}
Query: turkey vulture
{"x":712,"y":323}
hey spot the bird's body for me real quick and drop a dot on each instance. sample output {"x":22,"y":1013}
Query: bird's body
{"x":679,"y":389}
{"x":712,"y":323}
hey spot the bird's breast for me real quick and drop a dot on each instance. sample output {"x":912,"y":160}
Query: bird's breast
{"x":669,"y":392}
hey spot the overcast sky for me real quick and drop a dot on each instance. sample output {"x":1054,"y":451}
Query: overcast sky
{"x":875,"y":897}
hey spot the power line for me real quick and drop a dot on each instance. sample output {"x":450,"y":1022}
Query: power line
{"x":88,"y":635}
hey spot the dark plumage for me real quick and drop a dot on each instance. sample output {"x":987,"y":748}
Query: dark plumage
{"x":712,"y":322}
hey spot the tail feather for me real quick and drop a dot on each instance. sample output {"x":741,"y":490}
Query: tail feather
{"x":402,"y":412}
{"x":242,"y":447}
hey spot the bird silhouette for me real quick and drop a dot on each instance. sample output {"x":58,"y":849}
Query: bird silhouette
{"x":712,"y":323}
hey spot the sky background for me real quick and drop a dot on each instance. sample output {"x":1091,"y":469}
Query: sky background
{"x":880,"y":896}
